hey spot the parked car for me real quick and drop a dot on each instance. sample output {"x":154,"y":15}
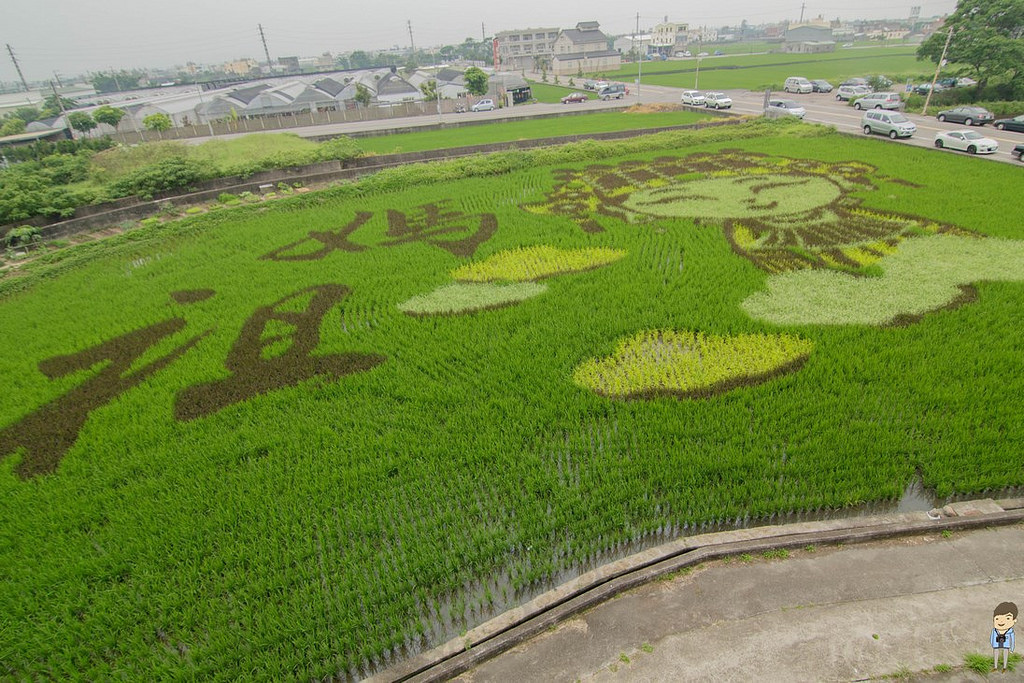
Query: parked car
{"x":1016,"y":124}
{"x":575,"y":97}
{"x":965,"y":82}
{"x":718,"y":100}
{"x":820,"y":85}
{"x":947,"y":82}
{"x":925,"y":87}
{"x":1018,"y":152}
{"x":879,"y":100}
{"x":693,"y":97}
{"x":891,"y":123}
{"x":614,"y":91}
{"x":684,"y":53}
{"x":968,"y":116}
{"x":845,"y":93}
{"x":779,"y":107}
{"x":719,"y":53}
{"x":855,"y":81}
{"x":702,"y":54}
{"x":600,"y":84}
{"x":483,"y":105}
{"x":968,"y":141}
{"x":798,"y":84}
{"x":589,"y":85}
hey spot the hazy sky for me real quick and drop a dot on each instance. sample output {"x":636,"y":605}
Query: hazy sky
{"x":74,"y":37}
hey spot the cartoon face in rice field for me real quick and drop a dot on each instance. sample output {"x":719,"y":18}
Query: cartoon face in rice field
{"x":783,"y":214}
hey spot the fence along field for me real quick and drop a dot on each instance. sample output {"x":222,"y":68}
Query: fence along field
{"x":303,"y":440}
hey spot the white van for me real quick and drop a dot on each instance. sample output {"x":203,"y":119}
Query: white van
{"x":616,"y":90}
{"x":798,"y":84}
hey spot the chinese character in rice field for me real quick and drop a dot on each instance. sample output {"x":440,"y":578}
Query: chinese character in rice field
{"x":329,"y":241}
{"x":782,"y":214}
{"x":273,"y":351}
{"x":433,"y":223}
{"x":46,"y":434}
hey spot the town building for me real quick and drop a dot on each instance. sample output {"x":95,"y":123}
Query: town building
{"x":528,"y":49}
{"x":668,"y":38}
{"x":809,"y":37}
{"x":583,"y":49}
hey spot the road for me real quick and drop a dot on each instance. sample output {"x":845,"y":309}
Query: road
{"x":824,"y":108}
{"x":821,"y":108}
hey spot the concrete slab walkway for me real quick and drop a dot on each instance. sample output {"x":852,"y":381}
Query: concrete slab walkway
{"x":826,"y":613}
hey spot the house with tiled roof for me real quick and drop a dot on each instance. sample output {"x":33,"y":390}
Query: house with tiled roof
{"x":584,"y":48}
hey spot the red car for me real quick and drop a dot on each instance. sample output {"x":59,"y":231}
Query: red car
{"x":574,"y":97}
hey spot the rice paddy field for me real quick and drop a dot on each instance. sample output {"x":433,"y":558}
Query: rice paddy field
{"x":758,"y":71}
{"x":305,"y":438}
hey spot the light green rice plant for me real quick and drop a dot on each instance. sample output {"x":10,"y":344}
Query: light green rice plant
{"x":534,"y":263}
{"x":466,"y":297}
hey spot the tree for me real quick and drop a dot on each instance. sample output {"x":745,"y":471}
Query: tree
{"x":429,"y":89}
{"x":360,"y":60}
{"x":51,"y":108}
{"x":363,"y":95}
{"x":157,"y":122}
{"x":108,"y":115}
{"x":27,"y":114}
{"x":476,"y":81}
{"x":117,"y":81}
{"x":81,"y":121}
{"x":12,"y":126}
{"x":988,"y":37}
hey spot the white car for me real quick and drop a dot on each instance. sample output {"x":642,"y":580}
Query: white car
{"x":694,"y":97}
{"x":778,"y":107}
{"x":483,"y":105}
{"x":968,"y":141}
{"x":718,"y":100}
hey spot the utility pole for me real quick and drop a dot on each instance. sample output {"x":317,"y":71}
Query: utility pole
{"x":640,"y":57}
{"x":63,"y":111}
{"x":57,"y":76}
{"x":483,"y":34}
{"x":17,"y":67}
{"x":412,"y":43}
{"x":117,"y":83}
{"x":265,"y":50}
{"x":802,"y":7}
{"x":942,"y":59}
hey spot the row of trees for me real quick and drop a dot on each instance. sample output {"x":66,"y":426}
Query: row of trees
{"x":988,"y":38}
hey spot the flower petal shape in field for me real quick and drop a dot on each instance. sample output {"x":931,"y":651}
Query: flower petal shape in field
{"x":534,"y":263}
{"x":922,"y":275}
{"x":690,"y":364}
{"x":467,"y":297}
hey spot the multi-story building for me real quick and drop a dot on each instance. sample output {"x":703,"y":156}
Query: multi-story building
{"x":583,"y":49}
{"x":668,"y":37}
{"x":528,"y":49}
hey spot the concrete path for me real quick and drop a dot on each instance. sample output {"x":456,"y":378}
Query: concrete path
{"x":828,"y":613}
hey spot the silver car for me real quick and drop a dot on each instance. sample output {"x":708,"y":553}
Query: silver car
{"x":780,"y":107}
{"x":891,"y":123}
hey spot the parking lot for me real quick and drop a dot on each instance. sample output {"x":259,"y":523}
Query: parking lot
{"x":824,"y":108}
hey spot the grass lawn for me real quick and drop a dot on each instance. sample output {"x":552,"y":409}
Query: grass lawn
{"x":598,"y":122}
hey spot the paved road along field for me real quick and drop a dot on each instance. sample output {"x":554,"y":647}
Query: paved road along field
{"x":821,"y":108}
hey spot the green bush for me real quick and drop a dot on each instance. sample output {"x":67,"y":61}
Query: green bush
{"x":340,"y":148}
{"x":22,"y":236}
{"x":169,"y":174}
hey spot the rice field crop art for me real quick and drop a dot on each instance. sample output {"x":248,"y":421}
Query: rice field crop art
{"x":308,"y":438}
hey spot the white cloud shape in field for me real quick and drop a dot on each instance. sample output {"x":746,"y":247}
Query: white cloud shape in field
{"x":924,"y":274}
